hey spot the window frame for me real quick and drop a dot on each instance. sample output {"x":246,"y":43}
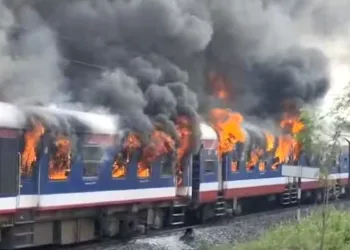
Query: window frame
{"x":232,"y":162}
{"x":265,"y":166}
{"x":85,"y":145}
{"x":50,"y":156}
{"x":119,"y":178}
{"x":150,"y":167}
{"x":205,"y":166}
{"x":161,"y":163}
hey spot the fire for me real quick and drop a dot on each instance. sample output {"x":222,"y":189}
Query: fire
{"x":184,"y":130}
{"x":287,"y":144}
{"x":292,"y":123}
{"x":219,"y":86}
{"x":227,"y":124}
{"x":119,"y":167}
{"x":262,"y":166}
{"x":284,"y":148}
{"x":60,"y":162}
{"x":255,"y":155}
{"x":270,"y":141}
{"x":32,"y":138}
{"x":160,"y":144}
{"x":234,"y":166}
{"x":130,"y":145}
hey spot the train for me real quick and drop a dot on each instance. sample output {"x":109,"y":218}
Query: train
{"x":83,"y":199}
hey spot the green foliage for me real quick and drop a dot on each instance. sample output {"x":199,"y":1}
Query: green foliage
{"x":307,"y":136}
{"x":305,"y":235}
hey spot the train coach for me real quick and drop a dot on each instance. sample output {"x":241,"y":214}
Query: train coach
{"x":59,"y":183}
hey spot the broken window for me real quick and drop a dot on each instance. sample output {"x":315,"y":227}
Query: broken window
{"x":262,"y":166}
{"x":234,"y":166}
{"x":144,"y":170}
{"x":119,"y":169}
{"x":60,"y":158}
{"x":29,"y":156}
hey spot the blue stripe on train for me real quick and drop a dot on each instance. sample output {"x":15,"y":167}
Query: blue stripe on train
{"x":104,"y":182}
{"x":76,"y":183}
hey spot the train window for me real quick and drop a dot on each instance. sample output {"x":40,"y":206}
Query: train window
{"x":345,"y":162}
{"x":60,"y":159}
{"x":262,"y":166}
{"x":166,"y":167}
{"x":275,"y":164}
{"x":144,"y":170}
{"x":119,"y":169}
{"x":210,"y":166}
{"x":92,"y":158}
{"x":31,"y":148}
{"x":234,"y":166}
{"x":249,"y":168}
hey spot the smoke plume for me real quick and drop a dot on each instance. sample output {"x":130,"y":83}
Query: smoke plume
{"x":145,"y":59}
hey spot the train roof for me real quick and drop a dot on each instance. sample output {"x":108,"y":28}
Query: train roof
{"x":96,"y":123}
{"x":11,"y":116}
{"x":207,"y":132}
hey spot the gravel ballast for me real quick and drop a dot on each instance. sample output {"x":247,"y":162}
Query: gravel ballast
{"x":233,"y":231}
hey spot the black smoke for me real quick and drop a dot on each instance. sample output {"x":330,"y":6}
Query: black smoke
{"x":145,"y":59}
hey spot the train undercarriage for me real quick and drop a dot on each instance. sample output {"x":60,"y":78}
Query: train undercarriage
{"x":30,"y":228}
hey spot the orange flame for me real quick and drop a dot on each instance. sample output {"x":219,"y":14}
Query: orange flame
{"x":60,"y":163}
{"x":227,"y":124}
{"x":130,"y":145}
{"x":184,"y":131}
{"x":219,"y":86}
{"x":32,"y":138}
{"x":234,"y":166}
{"x":160,"y":144}
{"x":270,"y":141}
{"x":255,"y":155}
{"x":287,"y":144}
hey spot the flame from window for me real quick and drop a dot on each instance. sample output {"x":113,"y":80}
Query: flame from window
{"x":60,"y":162}
{"x":262,"y":166}
{"x":255,"y":155}
{"x":288,"y":147}
{"x":29,"y":154}
{"x":270,"y":141}
{"x":158,"y":145}
{"x":234,"y":166}
{"x":130,"y":145}
{"x":184,"y":131}
{"x":227,"y":124}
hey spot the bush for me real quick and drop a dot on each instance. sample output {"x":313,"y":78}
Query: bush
{"x":305,"y":235}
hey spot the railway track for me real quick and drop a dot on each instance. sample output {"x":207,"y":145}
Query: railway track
{"x":218,"y":222}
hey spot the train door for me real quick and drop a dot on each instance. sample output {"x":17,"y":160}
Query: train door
{"x":222,"y":174}
{"x":221,"y":177}
{"x":196,"y":176}
{"x":9,"y":164}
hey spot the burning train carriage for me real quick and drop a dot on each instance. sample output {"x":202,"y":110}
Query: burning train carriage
{"x":52,"y":159}
{"x":84,"y":165}
{"x":205,"y":170}
{"x":249,"y":166}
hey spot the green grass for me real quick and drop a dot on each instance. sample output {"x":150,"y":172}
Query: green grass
{"x":305,"y":235}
